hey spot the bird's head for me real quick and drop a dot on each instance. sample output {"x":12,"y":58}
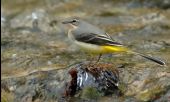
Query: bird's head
{"x":72,"y":22}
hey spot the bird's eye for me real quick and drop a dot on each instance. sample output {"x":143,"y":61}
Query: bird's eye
{"x":74,"y":20}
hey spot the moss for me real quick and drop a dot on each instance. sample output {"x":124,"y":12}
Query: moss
{"x":150,"y":94}
{"x":122,"y":87}
{"x":107,"y":13}
{"x":22,"y":81}
{"x":90,"y":93}
{"x":6,"y":96}
{"x":112,"y":12}
{"x":41,"y":75}
{"x":165,"y":49}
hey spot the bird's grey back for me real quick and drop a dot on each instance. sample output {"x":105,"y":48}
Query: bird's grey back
{"x":84,"y":28}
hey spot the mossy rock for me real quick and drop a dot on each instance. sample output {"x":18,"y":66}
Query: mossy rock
{"x":90,"y":93}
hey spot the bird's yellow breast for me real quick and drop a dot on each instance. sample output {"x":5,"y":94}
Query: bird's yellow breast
{"x":89,"y":47}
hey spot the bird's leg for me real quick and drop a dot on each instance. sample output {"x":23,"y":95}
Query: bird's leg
{"x":92,"y":61}
{"x":100,"y":55}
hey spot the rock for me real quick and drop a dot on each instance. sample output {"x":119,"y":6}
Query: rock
{"x":45,"y":85}
{"x":100,"y":79}
{"x":104,"y":78}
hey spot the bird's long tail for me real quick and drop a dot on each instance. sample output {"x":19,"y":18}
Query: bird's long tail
{"x":160,"y":62}
{"x":124,"y":49}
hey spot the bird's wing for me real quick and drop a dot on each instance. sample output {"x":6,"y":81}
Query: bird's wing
{"x":96,"y":39}
{"x":108,"y":35}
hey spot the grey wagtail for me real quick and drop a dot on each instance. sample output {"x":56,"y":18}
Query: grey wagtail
{"x":94,"y":40}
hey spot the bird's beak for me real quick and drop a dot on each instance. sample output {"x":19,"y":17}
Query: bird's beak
{"x":66,"y":22}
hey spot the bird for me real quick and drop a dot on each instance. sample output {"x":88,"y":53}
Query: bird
{"x":92,"y":39}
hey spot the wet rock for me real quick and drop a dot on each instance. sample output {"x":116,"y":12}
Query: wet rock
{"x":31,"y":21}
{"x":3,"y":20}
{"x":164,"y":97}
{"x":100,"y":79}
{"x":44,"y":85}
{"x":97,"y":80}
{"x":148,"y":86}
{"x":163,"y":4}
{"x":103,"y":77}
